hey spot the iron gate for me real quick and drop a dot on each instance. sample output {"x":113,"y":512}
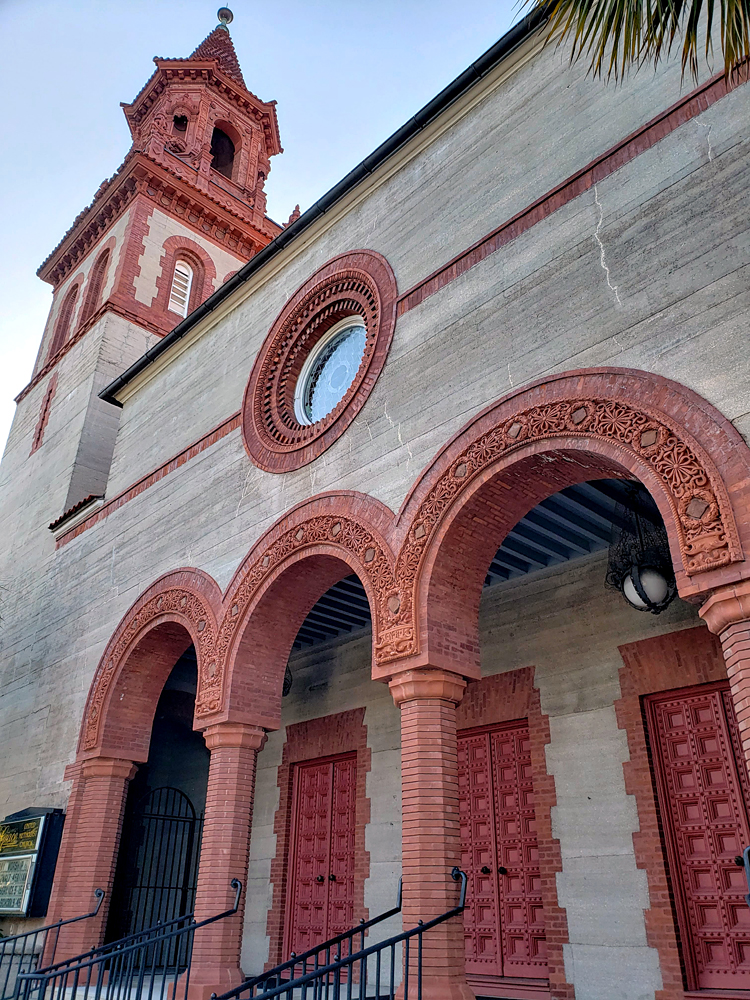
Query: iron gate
{"x":159,"y":869}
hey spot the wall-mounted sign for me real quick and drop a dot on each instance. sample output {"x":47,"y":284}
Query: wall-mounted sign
{"x":21,"y":836}
{"x":29,"y":842}
{"x":15,"y":883}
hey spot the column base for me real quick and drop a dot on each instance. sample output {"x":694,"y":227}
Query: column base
{"x":438,"y":988}
{"x":213,"y":980}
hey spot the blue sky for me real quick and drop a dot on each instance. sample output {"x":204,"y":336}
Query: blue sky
{"x":345,"y":75}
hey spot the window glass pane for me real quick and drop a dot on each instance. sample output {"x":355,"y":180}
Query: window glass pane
{"x":333,"y":371}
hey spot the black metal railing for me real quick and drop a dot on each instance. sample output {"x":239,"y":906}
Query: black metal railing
{"x":152,"y":964}
{"x":23,"y":952}
{"x":321,"y":955}
{"x":372,"y":972}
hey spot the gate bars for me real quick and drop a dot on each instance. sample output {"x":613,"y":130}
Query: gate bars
{"x":22,"y":952}
{"x":368,"y":973}
{"x":152,"y":964}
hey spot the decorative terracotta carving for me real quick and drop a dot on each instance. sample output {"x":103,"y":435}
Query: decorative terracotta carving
{"x":703,"y":519}
{"x":344,"y":532}
{"x":168,"y":605}
{"x":361,"y":284}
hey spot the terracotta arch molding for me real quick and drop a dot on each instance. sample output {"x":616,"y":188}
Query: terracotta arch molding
{"x":359,"y":283}
{"x":598,"y":422}
{"x":179,"y":608}
{"x":308,"y":550}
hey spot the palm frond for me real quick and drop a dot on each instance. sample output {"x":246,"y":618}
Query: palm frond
{"x":616,"y":35}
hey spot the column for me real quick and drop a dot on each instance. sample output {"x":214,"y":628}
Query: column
{"x":225,"y":852}
{"x":88,"y":854}
{"x":430,"y":822}
{"x":727,"y":614}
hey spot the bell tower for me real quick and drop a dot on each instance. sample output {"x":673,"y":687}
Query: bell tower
{"x":183,"y":212}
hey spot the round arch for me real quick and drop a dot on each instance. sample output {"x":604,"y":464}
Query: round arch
{"x":178,"y":609}
{"x":556,"y":432}
{"x":312,"y":547}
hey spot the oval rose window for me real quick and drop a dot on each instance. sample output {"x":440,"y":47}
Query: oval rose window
{"x":320,"y":361}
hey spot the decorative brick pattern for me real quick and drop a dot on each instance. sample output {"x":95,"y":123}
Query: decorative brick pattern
{"x":204,"y":276}
{"x":329,"y":736}
{"x":225,"y":854}
{"x":430,"y":822}
{"x":505,"y":698}
{"x":44,"y":409}
{"x":666,"y":662}
{"x":360,"y":283}
{"x":88,"y":855}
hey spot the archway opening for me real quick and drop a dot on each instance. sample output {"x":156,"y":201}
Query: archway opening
{"x":521,"y":584}
{"x":316,"y":617}
{"x":222,"y":152}
{"x":157,"y":867}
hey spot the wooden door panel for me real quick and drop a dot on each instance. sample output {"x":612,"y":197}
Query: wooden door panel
{"x":702,"y":802}
{"x":504,"y":918}
{"x":342,"y":857}
{"x":311,"y":842}
{"x":521,"y":907}
{"x":323,"y":845}
{"x":481,"y":917}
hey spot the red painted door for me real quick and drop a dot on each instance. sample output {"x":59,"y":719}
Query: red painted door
{"x":702,"y":795}
{"x":504,"y":918}
{"x":322,"y":857}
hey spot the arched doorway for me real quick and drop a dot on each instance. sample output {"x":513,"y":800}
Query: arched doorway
{"x":157,"y":867}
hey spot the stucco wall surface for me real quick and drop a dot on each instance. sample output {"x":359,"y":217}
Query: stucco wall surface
{"x":41,"y":686}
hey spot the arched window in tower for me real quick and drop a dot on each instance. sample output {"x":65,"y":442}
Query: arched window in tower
{"x":222,"y":150}
{"x":94,"y":288}
{"x":62,"y":326}
{"x":182,"y":281}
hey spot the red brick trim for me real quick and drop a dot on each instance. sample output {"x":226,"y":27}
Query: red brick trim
{"x":677,"y":660}
{"x":623,"y":152}
{"x":308,"y":550}
{"x":180,"y":608}
{"x":330,"y":736}
{"x":175,"y":462}
{"x":204,"y":274}
{"x":63,"y":326}
{"x":44,"y":411}
{"x":558,"y":431}
{"x":504,"y":698}
{"x":96,"y":280}
{"x":360,"y":283}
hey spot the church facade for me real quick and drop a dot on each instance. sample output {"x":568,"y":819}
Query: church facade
{"x":331,"y":545}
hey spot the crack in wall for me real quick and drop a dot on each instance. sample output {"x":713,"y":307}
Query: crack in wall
{"x":602,"y":257}
{"x":708,"y":137}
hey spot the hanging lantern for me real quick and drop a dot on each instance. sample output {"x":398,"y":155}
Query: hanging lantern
{"x":288,"y":681}
{"x":639,"y":564}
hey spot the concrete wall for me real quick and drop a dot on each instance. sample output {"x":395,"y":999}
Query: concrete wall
{"x":564,"y":623}
{"x":41,"y":686}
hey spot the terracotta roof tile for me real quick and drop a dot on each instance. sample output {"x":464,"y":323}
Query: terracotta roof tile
{"x":218,"y":45}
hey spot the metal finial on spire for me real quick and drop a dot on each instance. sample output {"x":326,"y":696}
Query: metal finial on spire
{"x":225,"y":17}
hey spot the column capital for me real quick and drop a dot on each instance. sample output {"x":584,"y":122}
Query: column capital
{"x":234,"y":734}
{"x":108,"y":767}
{"x":427,"y":684}
{"x":726,"y":606}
